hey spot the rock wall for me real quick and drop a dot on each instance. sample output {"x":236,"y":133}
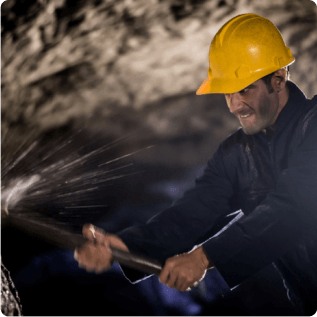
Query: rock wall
{"x":126,"y":64}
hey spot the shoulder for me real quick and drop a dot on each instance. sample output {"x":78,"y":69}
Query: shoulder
{"x":312,"y":109}
{"x":309,"y":120}
{"x":306,"y":128}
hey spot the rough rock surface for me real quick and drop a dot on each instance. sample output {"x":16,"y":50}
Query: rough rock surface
{"x":126,"y":64}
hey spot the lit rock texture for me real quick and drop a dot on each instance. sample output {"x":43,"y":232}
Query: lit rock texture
{"x":124,"y":64}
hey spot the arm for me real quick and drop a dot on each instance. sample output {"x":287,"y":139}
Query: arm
{"x":278,"y":223}
{"x":174,"y":231}
{"x":179,"y":228}
{"x":186,"y":270}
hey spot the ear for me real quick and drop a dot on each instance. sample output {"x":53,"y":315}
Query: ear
{"x":278,"y":80}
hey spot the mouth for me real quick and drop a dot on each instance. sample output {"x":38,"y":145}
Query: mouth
{"x":245,"y":116}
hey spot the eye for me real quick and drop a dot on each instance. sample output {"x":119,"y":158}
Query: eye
{"x":243,"y":91}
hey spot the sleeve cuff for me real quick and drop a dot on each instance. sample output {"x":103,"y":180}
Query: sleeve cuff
{"x":132,"y":275}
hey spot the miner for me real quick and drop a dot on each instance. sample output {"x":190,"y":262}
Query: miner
{"x":267,"y":168}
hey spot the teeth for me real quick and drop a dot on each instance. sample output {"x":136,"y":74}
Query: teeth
{"x":245,"y":116}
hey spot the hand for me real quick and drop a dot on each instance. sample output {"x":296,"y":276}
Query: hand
{"x":184,"y":271}
{"x":95,"y":255}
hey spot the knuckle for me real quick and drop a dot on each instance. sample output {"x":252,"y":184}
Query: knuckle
{"x":102,"y":268}
{"x":183,"y":288}
{"x":170,"y":263}
{"x":86,"y":228}
{"x":106,"y":252}
{"x":107,"y":242}
{"x":99,"y":239}
{"x":98,"y":229}
{"x":189,"y":280}
{"x":107,"y":264}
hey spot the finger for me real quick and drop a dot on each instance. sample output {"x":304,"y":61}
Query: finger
{"x":90,"y":269}
{"x":81,"y":265}
{"x":100,"y":231}
{"x":94,"y":256}
{"x":185,"y":287}
{"x":79,"y":254}
{"x":172,"y":280}
{"x":181,"y":283}
{"x":101,"y":236}
{"x":164,"y":275}
{"x":191,"y":286}
{"x":100,"y":268}
{"x":105,"y":259}
{"x":88,"y":232}
{"x":178,"y":282}
{"x":87,"y":253}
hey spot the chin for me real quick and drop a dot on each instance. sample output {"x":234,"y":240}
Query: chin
{"x":251,"y":131}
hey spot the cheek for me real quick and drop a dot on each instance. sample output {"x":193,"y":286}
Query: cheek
{"x":265,"y":108}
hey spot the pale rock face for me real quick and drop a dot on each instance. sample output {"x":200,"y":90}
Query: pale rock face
{"x":66,"y":60}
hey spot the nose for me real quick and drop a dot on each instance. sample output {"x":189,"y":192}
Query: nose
{"x":234,"y":101}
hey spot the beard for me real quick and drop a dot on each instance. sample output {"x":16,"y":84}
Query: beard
{"x":264,"y":118}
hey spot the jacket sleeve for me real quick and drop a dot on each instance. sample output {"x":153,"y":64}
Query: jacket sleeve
{"x":278,"y":223}
{"x":180,"y":227}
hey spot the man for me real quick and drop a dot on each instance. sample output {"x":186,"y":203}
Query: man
{"x":268,"y":169}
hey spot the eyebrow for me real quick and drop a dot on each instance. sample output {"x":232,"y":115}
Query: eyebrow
{"x":250,"y":86}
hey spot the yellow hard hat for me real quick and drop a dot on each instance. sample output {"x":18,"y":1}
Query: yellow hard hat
{"x":245,"y":49}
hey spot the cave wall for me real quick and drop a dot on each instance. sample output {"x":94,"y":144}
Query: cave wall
{"x":121,"y":65}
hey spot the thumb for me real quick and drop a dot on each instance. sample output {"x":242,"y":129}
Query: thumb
{"x":89,"y":231}
{"x":116,"y":242}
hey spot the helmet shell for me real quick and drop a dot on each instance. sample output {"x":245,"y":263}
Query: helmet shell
{"x":245,"y":49}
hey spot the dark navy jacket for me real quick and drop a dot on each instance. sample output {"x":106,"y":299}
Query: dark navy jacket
{"x":273,"y":179}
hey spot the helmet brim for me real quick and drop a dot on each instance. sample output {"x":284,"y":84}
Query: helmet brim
{"x":232,"y":85}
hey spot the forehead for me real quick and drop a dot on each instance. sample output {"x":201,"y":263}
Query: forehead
{"x":258,"y":82}
{"x":259,"y":85}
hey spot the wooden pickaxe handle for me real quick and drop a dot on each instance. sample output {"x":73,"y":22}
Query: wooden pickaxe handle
{"x":58,"y":236}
